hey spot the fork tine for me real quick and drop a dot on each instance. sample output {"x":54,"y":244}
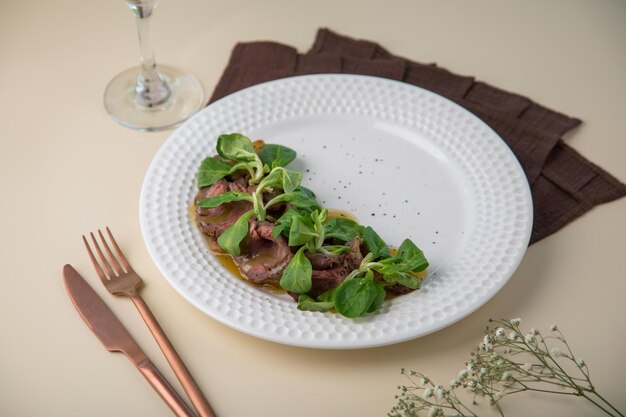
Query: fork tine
{"x":120,"y":255}
{"x":103,"y":260}
{"x":95,"y":263}
{"x":112,"y":259}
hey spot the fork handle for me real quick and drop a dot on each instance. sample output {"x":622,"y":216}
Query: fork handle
{"x":180,"y":370}
{"x":164,"y":389}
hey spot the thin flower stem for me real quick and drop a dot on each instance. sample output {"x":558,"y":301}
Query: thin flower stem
{"x":606,"y":402}
{"x":600,"y":407}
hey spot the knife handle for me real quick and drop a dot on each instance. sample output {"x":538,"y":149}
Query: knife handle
{"x":164,"y":389}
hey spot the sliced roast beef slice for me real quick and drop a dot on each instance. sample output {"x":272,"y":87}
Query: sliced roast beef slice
{"x":319,"y":261}
{"x":330,"y":271}
{"x":399,"y":289}
{"x":213,"y":221}
{"x":265,"y":257}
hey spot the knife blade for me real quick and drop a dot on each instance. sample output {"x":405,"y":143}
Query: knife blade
{"x":115,"y":338}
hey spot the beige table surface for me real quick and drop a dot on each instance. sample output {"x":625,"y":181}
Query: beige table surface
{"x":66,"y":169}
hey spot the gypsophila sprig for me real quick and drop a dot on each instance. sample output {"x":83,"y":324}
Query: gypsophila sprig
{"x":507,"y":361}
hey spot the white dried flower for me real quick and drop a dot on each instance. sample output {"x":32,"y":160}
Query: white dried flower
{"x":440,"y":391}
{"x":471,"y":383}
{"x":534,"y":331}
{"x":580,"y":362}
{"x":500,"y":332}
{"x":556,"y":352}
{"x":513,"y":336}
{"x":454,"y":383}
{"x":506,"y":376}
{"x":483,"y":371}
{"x":553,"y":328}
{"x":488,"y":347}
{"x":424,"y":380}
{"x":486,"y":339}
{"x":516,"y":322}
{"x":434,"y":411}
{"x":463,"y":374}
{"x":470,"y":367}
{"x":530,"y":338}
{"x":428,"y":392}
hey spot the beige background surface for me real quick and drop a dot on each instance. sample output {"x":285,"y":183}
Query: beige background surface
{"x":66,"y":169}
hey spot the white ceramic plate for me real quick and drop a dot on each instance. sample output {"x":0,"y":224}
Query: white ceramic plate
{"x":404,"y":160}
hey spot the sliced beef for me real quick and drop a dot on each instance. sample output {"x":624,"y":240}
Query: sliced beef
{"x":213,"y":221}
{"x":399,"y":289}
{"x":330,"y":271}
{"x":265,"y":257}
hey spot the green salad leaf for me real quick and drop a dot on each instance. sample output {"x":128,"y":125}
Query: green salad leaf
{"x":297,"y":275}
{"x":274,"y":155}
{"x":302,"y":231}
{"x":283,"y":178}
{"x":236,"y":147}
{"x":342,"y":229}
{"x":354,"y":297}
{"x":379,"y":299}
{"x":375,"y":243}
{"x":412,"y":256}
{"x":306,"y":303}
{"x":211,"y":171}
{"x":231,"y":238}
{"x":226,"y":197}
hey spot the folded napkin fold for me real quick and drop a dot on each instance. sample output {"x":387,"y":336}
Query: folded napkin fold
{"x":564,"y":184}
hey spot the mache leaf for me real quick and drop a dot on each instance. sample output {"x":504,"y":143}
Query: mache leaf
{"x":412,"y":256}
{"x":336,"y":249}
{"x":355,"y":296}
{"x":211,"y":171}
{"x":231,"y":238}
{"x":297,"y":198}
{"x":274,"y":155}
{"x":226,"y":197}
{"x":375,"y":243}
{"x":379,"y":299}
{"x":281,"y":178}
{"x":404,"y":278}
{"x":301,"y":231}
{"x":342,"y":229}
{"x":297,"y":275}
{"x":306,"y":303}
{"x":236,"y":147}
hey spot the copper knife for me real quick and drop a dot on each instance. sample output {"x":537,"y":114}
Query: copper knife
{"x":115,"y":338}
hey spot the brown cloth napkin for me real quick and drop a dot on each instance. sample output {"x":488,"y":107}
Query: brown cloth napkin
{"x":564,"y":184}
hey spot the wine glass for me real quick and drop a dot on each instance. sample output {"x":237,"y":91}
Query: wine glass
{"x":151,"y":97}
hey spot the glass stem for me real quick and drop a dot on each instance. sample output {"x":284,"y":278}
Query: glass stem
{"x":151,"y":89}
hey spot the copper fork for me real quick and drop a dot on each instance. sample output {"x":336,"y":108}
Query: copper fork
{"x":120,"y":279}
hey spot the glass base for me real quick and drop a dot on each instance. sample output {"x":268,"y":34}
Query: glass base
{"x":186,"y":98}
